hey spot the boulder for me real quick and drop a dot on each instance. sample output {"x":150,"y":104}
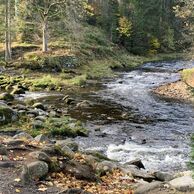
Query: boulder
{"x":6,"y":96}
{"x":163,"y":176}
{"x":146,"y":188}
{"x":39,"y":105}
{"x":136,"y":162}
{"x":34,"y":171}
{"x":50,"y":149}
{"x":105,"y":166}
{"x":37,"y":124}
{"x":137,"y":173}
{"x":38,"y":155}
{"x":184,"y":183}
{"x":42,"y":138}
{"x":3,"y":150}
{"x":23,"y":135}
{"x":67,"y":152}
{"x":7,"y":115}
{"x":80,"y":171}
{"x":91,"y":160}
{"x":68,"y":142}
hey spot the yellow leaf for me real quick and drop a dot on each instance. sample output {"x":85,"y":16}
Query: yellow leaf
{"x":17,"y":191}
{"x":17,"y":180}
{"x":42,"y":189}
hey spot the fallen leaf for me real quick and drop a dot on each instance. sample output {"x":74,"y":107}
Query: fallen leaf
{"x":17,"y":191}
{"x":17,"y":180}
{"x":42,"y":189}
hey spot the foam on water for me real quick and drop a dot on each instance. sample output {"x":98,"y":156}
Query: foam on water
{"x":154,"y":158}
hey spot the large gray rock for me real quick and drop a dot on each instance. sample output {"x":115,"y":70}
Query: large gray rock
{"x":68,"y":142}
{"x":23,"y":135}
{"x":80,"y":171}
{"x":37,"y":124}
{"x":34,"y":170}
{"x":105,"y":166}
{"x":67,"y":152}
{"x":145,"y":188}
{"x":184,"y":183}
{"x":3,"y":150}
{"x":137,"y":173}
{"x":136,"y":162}
{"x":7,"y":115}
{"x":40,"y":156}
{"x":42,"y":138}
{"x":163,"y":176}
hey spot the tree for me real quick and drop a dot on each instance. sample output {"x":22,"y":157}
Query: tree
{"x":8,"y":30}
{"x":46,"y":10}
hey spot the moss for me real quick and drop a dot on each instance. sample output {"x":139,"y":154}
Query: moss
{"x":65,"y":126}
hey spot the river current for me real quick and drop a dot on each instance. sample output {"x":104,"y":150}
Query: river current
{"x":160,"y":133}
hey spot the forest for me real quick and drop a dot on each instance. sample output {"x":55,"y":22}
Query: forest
{"x":96,"y":96}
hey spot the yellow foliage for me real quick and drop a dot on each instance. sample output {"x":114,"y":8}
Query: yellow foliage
{"x":125,"y":26}
{"x":88,"y":8}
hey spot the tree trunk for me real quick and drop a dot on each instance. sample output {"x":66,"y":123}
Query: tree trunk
{"x":45,"y":35}
{"x":8,"y":31}
{"x":16,"y":8}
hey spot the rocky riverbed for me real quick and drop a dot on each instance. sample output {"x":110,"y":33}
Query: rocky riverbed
{"x":115,"y":136}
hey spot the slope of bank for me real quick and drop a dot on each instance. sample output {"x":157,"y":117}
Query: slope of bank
{"x":180,"y":90}
{"x":73,"y":61}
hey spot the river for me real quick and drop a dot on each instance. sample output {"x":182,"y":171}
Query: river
{"x":127,"y":121}
{"x":156,"y":130}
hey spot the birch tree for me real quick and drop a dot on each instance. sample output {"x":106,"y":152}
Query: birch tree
{"x":46,"y":10}
{"x":7,"y":30}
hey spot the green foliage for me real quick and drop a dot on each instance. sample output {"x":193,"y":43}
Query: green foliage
{"x":65,"y":126}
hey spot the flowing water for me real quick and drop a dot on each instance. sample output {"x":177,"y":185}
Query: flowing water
{"x":157,"y":130}
{"x":127,"y":121}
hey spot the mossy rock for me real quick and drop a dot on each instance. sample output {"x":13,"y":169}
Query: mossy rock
{"x":7,"y":115}
{"x":6,"y":96}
